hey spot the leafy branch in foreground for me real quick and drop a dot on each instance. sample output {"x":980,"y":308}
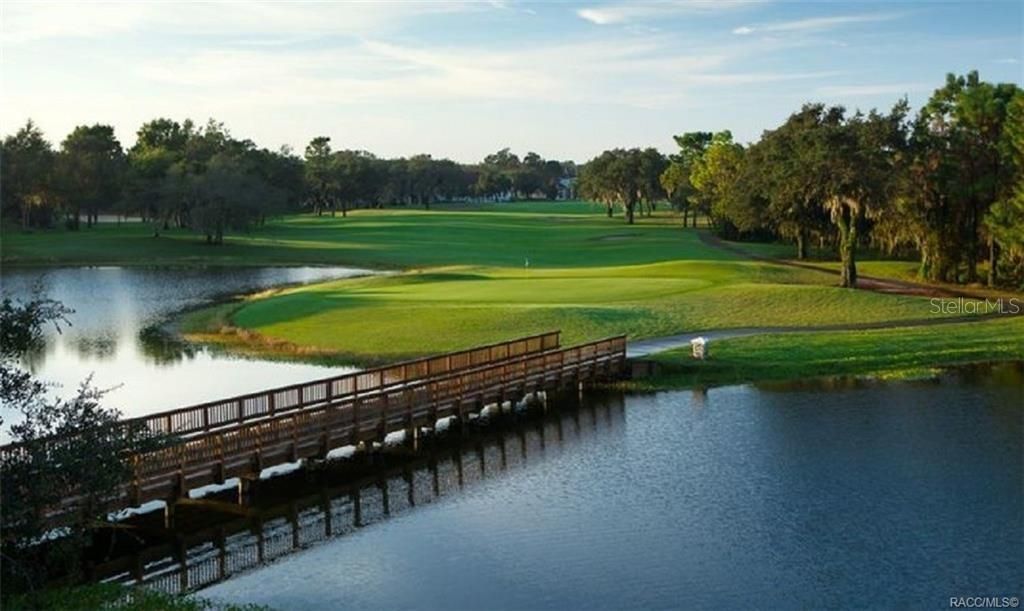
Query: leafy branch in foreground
{"x":68,"y":460}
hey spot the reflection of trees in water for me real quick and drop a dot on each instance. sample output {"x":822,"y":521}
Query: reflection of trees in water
{"x":164,"y":348}
{"x":290,"y":512}
{"x":154,"y":343}
{"x":103,"y":347}
{"x":36,"y":356}
{"x":1009,"y":374}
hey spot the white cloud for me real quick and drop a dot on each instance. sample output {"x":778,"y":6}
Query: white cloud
{"x":610,"y":14}
{"x":630,"y":73}
{"x":815,"y":23}
{"x":31,"y":21}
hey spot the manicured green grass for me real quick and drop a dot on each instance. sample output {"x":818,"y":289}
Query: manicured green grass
{"x":482,"y":273}
{"x":894,"y":352}
{"x":384,"y":318}
{"x":551,"y":234}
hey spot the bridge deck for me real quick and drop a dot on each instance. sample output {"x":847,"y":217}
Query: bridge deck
{"x":240,"y":436}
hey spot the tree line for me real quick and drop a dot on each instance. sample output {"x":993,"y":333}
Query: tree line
{"x":203,"y":178}
{"x":945,"y":185}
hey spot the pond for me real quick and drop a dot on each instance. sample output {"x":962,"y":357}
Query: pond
{"x":115,"y":334}
{"x":837,"y":493}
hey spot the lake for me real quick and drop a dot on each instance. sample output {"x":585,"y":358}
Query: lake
{"x":824,"y":493}
{"x":832,"y":493}
{"x":115,"y":333}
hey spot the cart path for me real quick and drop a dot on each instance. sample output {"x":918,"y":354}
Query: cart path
{"x":867,"y":283}
{"x":645,"y":347}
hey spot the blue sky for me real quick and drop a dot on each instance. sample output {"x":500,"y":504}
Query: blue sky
{"x":455,"y":79}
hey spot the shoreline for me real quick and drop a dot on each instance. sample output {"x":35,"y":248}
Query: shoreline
{"x":210,"y":326}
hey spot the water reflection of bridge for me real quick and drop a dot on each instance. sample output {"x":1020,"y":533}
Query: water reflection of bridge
{"x":327,"y":502}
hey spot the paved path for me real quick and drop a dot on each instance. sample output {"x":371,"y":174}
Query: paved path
{"x":867,"y":283}
{"x":646,"y":347}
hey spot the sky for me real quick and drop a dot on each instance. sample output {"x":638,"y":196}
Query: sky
{"x":464,"y":79}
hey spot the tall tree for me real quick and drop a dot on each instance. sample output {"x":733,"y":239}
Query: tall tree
{"x":26,"y":174}
{"x":1004,"y":221}
{"x":651,"y":166}
{"x":621,"y":177}
{"x":675,"y":180}
{"x":857,"y":156}
{"x":319,"y":174}
{"x":355,"y":174}
{"x":158,"y":146}
{"x":784,"y":165}
{"x":712,"y":175}
{"x":92,"y":164}
{"x":960,"y":166}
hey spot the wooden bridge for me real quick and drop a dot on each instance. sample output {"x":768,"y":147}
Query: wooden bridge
{"x":240,"y":436}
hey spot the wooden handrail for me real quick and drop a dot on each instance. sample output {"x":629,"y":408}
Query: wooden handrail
{"x":465,"y":382}
{"x":233,"y":411}
{"x":243,"y":448}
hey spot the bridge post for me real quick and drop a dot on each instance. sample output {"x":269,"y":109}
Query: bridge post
{"x":410,"y":429}
{"x":180,"y":488}
{"x":354,"y":433}
{"x":325,"y":439}
{"x":135,"y":494}
{"x":293,"y":453}
{"x":382,"y":428}
{"x":220,"y":460}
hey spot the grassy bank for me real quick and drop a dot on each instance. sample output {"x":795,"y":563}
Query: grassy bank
{"x":479,"y":274}
{"x":897,"y":352}
{"x":548,"y":235}
{"x":386,"y":318}
{"x":588,"y":276}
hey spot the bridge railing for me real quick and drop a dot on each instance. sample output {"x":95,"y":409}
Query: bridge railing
{"x":238,"y":410}
{"x":307,"y":428}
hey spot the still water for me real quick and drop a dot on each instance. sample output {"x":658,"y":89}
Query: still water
{"x":845,"y":494}
{"x":115,"y":337}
